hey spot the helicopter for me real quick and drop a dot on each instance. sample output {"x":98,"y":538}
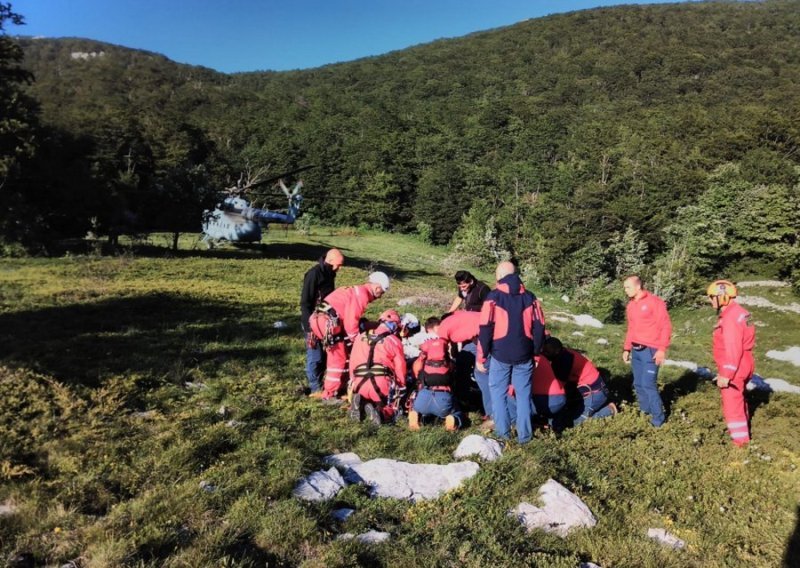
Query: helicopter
{"x":235,"y":221}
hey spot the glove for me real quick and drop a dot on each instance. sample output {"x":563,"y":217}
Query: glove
{"x":722,"y":382}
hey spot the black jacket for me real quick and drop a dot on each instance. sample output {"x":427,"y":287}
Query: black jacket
{"x":473,"y":299}
{"x":319,"y":281}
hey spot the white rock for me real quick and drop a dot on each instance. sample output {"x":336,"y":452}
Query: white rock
{"x":280,"y":325}
{"x":197,"y":386}
{"x":415,"y":482}
{"x":562,"y":512}
{"x":319,"y":486}
{"x":666,"y":538}
{"x":792,"y":355}
{"x":578,"y":334}
{"x":342,"y":461}
{"x":373,"y":537}
{"x":691,"y":365}
{"x":7,"y":509}
{"x":602,"y":341}
{"x":775,"y":385}
{"x":760,"y":302}
{"x":565,"y":299}
{"x":473,"y":445}
{"x":207,"y":486}
{"x":586,"y":320}
{"x":762,"y":284}
{"x":342,"y":514}
{"x":588,"y":565}
{"x":369,"y":537}
{"x":234,"y":424}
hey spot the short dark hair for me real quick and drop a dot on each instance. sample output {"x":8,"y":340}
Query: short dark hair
{"x":432,"y":322}
{"x":552,"y":346}
{"x":464,"y":276}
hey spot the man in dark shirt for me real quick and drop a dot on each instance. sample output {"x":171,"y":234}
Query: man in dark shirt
{"x":318,"y":282}
{"x":471,"y":292}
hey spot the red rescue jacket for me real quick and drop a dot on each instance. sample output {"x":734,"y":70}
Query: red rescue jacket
{"x":544,"y":379}
{"x":460,"y":327}
{"x":434,"y":367}
{"x":648,"y":322}
{"x":388,"y":353}
{"x":350,"y":304}
{"x":734,"y":338}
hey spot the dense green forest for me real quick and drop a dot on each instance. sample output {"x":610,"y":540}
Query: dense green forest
{"x":586,"y":145}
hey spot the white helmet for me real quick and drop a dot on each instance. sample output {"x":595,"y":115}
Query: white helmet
{"x":380,"y":278}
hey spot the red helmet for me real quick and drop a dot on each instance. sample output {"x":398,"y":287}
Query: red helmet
{"x":390,"y":316}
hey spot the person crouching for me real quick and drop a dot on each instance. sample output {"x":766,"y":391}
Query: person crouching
{"x":434,"y":371}
{"x":377,"y":371}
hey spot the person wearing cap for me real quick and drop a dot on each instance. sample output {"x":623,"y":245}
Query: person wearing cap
{"x":318,"y":282}
{"x":511,"y":333}
{"x":734,"y":338}
{"x":645,"y":348}
{"x":378,"y":371}
{"x":471,"y":292}
{"x":341,"y":312}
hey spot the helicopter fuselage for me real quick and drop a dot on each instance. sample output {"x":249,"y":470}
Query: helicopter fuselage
{"x":235,"y":221}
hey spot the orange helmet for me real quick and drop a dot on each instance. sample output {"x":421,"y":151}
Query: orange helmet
{"x":723,"y":290}
{"x":390,"y":316}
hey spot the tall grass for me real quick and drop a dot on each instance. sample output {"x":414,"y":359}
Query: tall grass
{"x":128,"y":380}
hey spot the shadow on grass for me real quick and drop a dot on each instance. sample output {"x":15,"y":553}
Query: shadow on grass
{"x":157,"y":336}
{"x":684,"y":385}
{"x":792,"y":556}
{"x":287,"y":250}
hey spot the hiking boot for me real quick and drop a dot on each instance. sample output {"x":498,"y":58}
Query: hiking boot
{"x":371,"y":414}
{"x":413,"y":420}
{"x":450,"y":423}
{"x":317,"y":395}
{"x":355,"y":409}
{"x":487,"y":426}
{"x":613,"y":408}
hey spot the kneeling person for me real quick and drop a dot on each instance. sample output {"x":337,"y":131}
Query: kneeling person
{"x":377,"y":371}
{"x":434,"y":370}
{"x":570,"y":367}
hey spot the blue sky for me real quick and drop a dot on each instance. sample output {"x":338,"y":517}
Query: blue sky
{"x":252,"y":35}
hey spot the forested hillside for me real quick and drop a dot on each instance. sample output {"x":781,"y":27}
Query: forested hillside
{"x":573,"y":142}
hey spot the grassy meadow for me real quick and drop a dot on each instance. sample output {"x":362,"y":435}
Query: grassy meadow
{"x":127,"y":381}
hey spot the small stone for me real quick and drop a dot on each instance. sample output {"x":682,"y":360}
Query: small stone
{"x":234,"y":424}
{"x":665,"y":538}
{"x":565,"y":299}
{"x":578,"y":334}
{"x":280,"y":325}
{"x":473,"y":445}
{"x":602,"y":341}
{"x":7,"y":509}
{"x":207,"y":486}
{"x":223,"y":411}
{"x":765,"y":457}
{"x":562,"y":512}
{"x":195,"y":386}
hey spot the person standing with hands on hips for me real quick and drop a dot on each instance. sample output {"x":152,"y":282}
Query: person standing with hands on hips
{"x":646,"y":343}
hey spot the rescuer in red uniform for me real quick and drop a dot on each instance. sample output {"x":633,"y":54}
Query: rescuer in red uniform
{"x":378,"y":371}
{"x":733,"y":340}
{"x":336,"y":323}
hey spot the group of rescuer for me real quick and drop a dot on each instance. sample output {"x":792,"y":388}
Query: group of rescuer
{"x":495,"y":340}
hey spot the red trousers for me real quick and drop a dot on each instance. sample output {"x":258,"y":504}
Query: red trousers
{"x":335,"y":372}
{"x":734,"y":405}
